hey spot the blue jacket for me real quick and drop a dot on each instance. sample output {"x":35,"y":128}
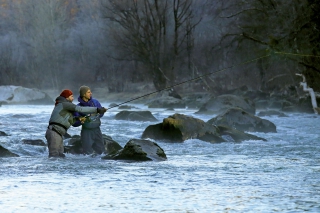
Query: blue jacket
{"x":96,"y":122}
{"x":61,"y":117}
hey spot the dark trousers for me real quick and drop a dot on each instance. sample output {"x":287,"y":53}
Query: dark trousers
{"x":92,"y":140}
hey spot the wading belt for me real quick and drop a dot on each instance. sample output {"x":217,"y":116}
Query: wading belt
{"x":53,"y":129}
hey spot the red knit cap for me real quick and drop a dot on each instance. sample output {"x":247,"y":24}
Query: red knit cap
{"x":66,"y":93}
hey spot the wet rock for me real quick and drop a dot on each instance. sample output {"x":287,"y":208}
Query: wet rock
{"x":271,"y":113}
{"x":256,"y":95}
{"x":196,"y":100}
{"x":37,"y":142}
{"x":164,"y":100}
{"x":126,"y":107}
{"x":139,"y":150}
{"x":262,"y":104}
{"x":173,"y":93}
{"x":178,"y":128}
{"x":75,"y":146}
{"x":241,"y":120}
{"x":275,"y":104}
{"x":236,"y":135}
{"x":3,"y":134}
{"x":223,"y":102}
{"x":21,"y":95}
{"x":305,"y":105}
{"x":135,"y":116}
{"x":111,"y":146}
{"x":6,"y":153}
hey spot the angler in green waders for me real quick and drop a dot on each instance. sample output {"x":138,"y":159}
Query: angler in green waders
{"x":62,"y":118}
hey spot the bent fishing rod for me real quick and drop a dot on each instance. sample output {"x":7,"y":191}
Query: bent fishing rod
{"x":193,"y":79}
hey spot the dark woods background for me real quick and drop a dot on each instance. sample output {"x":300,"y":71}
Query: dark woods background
{"x":115,"y":43}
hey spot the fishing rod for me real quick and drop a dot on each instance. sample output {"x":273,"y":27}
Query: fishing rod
{"x":193,"y":79}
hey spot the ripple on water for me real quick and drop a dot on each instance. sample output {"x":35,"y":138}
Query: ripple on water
{"x":280,"y":175}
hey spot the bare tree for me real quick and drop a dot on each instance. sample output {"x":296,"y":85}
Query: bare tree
{"x":152,"y":32}
{"x":46,"y":32}
{"x":8,"y":75}
{"x":278,"y":26}
{"x":86,"y":44}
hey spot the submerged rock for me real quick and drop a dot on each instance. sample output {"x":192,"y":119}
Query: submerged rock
{"x":6,"y":153}
{"x":3,"y":134}
{"x":37,"y":142}
{"x":139,"y":150}
{"x":236,"y":135}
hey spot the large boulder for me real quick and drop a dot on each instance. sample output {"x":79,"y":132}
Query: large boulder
{"x":111,"y":145}
{"x":223,"y":102}
{"x":139,"y":150}
{"x":241,"y":120}
{"x":178,"y":128}
{"x":22,"y":95}
{"x":135,"y":116}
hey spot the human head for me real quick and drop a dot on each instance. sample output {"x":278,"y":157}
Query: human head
{"x":85,"y":92}
{"x":67,"y":94}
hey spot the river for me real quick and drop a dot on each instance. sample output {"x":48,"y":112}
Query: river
{"x":280,"y":175}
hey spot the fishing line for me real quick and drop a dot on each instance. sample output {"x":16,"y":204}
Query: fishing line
{"x":193,"y":79}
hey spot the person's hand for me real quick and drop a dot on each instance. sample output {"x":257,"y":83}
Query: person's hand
{"x":101,"y":110}
{"x":83,"y":119}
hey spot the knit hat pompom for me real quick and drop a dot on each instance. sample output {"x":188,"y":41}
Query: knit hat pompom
{"x":83,"y":89}
{"x":66,"y":93}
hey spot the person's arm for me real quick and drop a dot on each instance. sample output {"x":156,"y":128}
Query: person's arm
{"x":78,"y":121}
{"x":74,"y":108}
{"x":97,"y":104}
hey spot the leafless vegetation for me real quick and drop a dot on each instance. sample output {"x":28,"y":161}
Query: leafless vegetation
{"x":108,"y":43}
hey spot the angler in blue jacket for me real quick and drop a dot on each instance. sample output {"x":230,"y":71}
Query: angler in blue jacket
{"x":62,"y":118}
{"x":91,"y":135}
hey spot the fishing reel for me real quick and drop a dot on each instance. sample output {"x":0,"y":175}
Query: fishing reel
{"x":88,"y":118}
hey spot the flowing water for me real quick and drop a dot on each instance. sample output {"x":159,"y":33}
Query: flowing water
{"x":280,"y":175}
